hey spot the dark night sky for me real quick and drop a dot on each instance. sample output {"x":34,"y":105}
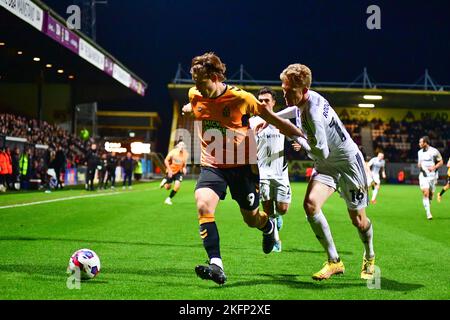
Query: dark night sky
{"x":152,"y":36}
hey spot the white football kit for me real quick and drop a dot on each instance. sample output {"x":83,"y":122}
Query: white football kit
{"x":427,"y":159}
{"x":376,"y":165}
{"x":338,"y":161}
{"x":273,"y":169}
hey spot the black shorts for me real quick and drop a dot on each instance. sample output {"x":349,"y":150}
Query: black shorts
{"x":175,"y":177}
{"x":242,"y":181}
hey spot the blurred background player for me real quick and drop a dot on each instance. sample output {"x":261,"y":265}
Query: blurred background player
{"x":102,"y":170}
{"x":175,"y":163}
{"x":376,"y":164}
{"x":447,"y":186}
{"x":429,"y":161}
{"x":338,"y":163}
{"x":273,"y":169}
{"x":111,"y":169}
{"x":59,"y":165}
{"x":220,"y":111}
{"x":128,"y":167}
{"x":92,"y":162}
{"x":137,"y":169}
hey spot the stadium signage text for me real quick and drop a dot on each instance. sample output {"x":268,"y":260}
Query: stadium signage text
{"x":140,"y":148}
{"x":31,"y":13}
{"x":61,"y":34}
{"x":92,"y":55}
{"x":121,"y":75}
{"x":25,"y":10}
{"x":114,"y":147}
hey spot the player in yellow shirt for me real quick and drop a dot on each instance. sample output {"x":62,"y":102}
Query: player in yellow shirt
{"x":176,"y":167}
{"x":447,"y":186}
{"x":228,"y":156}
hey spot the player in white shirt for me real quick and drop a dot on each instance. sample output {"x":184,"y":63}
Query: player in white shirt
{"x":376,"y":165}
{"x":429,"y":161}
{"x":338,"y":163}
{"x":275,"y":190}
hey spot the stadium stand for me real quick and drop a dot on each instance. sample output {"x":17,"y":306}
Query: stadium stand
{"x":43,"y":133}
{"x":48,"y":73}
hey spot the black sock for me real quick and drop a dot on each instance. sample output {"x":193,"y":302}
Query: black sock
{"x":442,"y":192}
{"x":268,"y":227}
{"x":210,"y":236}
{"x":172,"y":193}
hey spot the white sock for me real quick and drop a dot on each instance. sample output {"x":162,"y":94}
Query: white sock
{"x":367,"y":239}
{"x":426,"y":205}
{"x":320,"y":227}
{"x":275,"y":230}
{"x":217,"y":262}
{"x":374,"y":194}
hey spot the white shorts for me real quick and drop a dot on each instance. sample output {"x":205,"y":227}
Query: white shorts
{"x":277,"y":190}
{"x":373,"y":178}
{"x":349,"y":177}
{"x":428,"y":182}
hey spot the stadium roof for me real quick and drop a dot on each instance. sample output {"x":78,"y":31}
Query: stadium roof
{"x":424,"y":94}
{"x":352,"y":97}
{"x":30,"y":30}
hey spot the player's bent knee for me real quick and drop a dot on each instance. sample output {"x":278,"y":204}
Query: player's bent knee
{"x":360,"y":223}
{"x":282,"y":208}
{"x":203,"y":207}
{"x":310,"y":207}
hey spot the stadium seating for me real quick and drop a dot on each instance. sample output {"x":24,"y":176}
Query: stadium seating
{"x":45,"y":134}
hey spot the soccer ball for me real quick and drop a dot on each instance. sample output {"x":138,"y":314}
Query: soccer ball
{"x":85,"y":263}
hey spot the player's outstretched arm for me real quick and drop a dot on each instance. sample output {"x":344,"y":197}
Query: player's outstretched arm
{"x":288,"y":113}
{"x":285,"y":126}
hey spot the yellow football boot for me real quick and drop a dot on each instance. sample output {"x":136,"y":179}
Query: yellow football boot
{"x":368,"y":269}
{"x":329,"y":268}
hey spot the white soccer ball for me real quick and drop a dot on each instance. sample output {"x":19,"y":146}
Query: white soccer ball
{"x":85,"y":263}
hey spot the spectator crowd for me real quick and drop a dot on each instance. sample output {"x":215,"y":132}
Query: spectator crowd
{"x":48,"y":152}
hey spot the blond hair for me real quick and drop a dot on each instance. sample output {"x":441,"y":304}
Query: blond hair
{"x":208,"y":64}
{"x":298,"y":75}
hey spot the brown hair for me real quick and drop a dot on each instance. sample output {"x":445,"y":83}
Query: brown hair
{"x":298,"y":75}
{"x":426,"y":139}
{"x":208,"y":64}
{"x":268,"y":90}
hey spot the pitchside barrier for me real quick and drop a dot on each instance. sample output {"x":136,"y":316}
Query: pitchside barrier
{"x":75,"y":176}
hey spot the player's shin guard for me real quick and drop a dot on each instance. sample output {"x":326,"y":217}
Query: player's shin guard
{"x":367,"y":239}
{"x":210,"y":236}
{"x":321,"y":229}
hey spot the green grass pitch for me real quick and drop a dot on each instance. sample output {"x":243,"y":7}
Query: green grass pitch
{"x":149,"y":250}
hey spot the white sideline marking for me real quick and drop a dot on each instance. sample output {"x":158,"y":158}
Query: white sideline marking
{"x":71,"y":198}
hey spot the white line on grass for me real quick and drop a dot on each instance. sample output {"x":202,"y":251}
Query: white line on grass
{"x":70,"y":198}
